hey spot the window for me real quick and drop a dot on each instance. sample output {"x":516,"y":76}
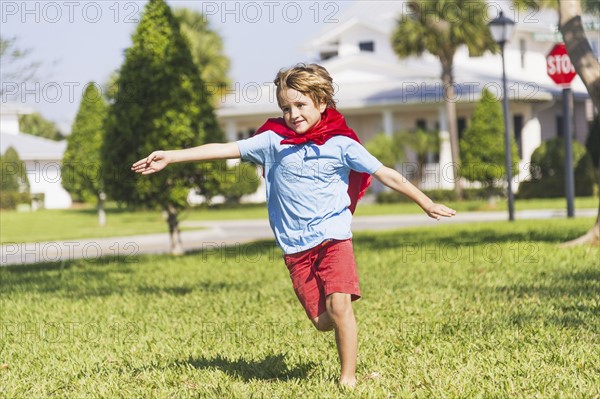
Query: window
{"x":559,"y":126}
{"x":523,"y":49}
{"x":518,"y":127}
{"x":461,"y":124}
{"x":421,"y":124}
{"x":241,"y":135}
{"x":325,"y":55}
{"x":366,"y":46}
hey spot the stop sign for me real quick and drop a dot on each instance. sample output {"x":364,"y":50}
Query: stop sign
{"x":559,"y":66}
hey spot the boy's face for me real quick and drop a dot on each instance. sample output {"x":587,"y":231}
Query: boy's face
{"x":299,"y":111}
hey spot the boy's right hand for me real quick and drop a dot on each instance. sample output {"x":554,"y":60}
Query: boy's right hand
{"x":154,"y":162}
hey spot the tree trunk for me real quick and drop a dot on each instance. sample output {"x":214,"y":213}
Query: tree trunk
{"x":449,"y":100}
{"x":579,"y":49}
{"x":101,"y":211}
{"x":588,"y":69}
{"x":591,"y":237}
{"x":174,"y":234}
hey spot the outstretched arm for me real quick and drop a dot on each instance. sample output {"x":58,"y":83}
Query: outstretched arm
{"x":399,"y":183}
{"x":158,"y":160}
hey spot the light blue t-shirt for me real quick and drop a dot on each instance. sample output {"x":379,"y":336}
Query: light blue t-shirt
{"x":307,"y":186}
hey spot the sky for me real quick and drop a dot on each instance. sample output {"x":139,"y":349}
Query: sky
{"x":84,"y":41}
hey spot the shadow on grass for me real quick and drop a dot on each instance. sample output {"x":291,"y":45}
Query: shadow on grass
{"x":54,"y":276}
{"x":81,"y":278}
{"x":273,"y":367}
{"x":459,"y":235}
{"x":260,"y":251}
{"x":566,"y":299}
{"x":205,"y":286}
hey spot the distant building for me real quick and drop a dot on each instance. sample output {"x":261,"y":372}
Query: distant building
{"x":42,"y":158}
{"x":378,"y":92}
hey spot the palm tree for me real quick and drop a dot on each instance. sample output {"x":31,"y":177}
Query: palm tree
{"x":422,"y":142}
{"x":440,"y":27}
{"x":207,"y":50}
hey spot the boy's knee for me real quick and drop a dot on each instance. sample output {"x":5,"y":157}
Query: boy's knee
{"x":321,"y":324}
{"x":339,"y":305}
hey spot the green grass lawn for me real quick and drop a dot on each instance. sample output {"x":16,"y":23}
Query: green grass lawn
{"x":51,"y":225}
{"x":48,"y":225}
{"x":491,"y":310}
{"x":477,"y":206}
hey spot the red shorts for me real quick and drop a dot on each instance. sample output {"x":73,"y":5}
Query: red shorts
{"x":320,"y":271}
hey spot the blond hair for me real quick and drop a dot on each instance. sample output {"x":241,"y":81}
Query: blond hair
{"x":311,"y":80}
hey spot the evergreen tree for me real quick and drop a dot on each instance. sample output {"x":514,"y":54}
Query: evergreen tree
{"x":14,"y":174}
{"x":14,"y":185}
{"x":482,"y":145}
{"x":160,"y":105}
{"x":82,"y":175}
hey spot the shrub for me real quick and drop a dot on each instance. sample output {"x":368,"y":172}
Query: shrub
{"x":441,"y":195}
{"x":385,"y":148}
{"x":239,"y":180}
{"x":10,"y":199}
{"x":548,"y":171}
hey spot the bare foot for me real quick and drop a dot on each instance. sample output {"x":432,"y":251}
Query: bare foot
{"x":348,"y":382}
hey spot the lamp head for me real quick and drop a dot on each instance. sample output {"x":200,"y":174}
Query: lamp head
{"x":501,"y":28}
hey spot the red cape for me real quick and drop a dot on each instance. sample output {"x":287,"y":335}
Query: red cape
{"x":332,"y":124}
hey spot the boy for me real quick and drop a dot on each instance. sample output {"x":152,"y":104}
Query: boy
{"x":315,"y":171}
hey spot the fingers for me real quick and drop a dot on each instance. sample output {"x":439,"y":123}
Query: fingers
{"x":138,"y":164}
{"x":141,"y":166}
{"x":144,"y":169}
{"x":143,"y":161}
{"x":144,"y":166}
{"x":447,"y":212}
{"x":439,"y":211}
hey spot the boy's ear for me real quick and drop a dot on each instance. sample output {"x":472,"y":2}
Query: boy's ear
{"x":322,"y":107}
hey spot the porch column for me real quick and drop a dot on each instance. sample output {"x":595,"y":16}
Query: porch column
{"x":388,"y":122}
{"x":445,"y":176}
{"x":231,"y":130}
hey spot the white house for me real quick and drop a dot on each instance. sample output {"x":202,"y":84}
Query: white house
{"x":377,"y":92}
{"x":42,"y":158}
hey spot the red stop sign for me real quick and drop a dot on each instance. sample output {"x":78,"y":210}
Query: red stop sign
{"x":559,"y":66}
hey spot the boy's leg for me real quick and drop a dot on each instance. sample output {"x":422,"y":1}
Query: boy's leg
{"x":340,"y":312}
{"x":323,"y":322}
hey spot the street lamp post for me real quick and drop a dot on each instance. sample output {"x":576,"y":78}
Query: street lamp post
{"x":501,"y":28}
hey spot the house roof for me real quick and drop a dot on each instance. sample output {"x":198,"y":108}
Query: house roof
{"x":33,"y":148}
{"x":371,"y":80}
{"x":362,"y":82}
{"x":9,"y":108}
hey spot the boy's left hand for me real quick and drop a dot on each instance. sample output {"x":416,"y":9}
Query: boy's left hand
{"x":436,"y":211}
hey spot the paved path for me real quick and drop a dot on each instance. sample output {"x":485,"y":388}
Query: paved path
{"x":218,"y":234}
